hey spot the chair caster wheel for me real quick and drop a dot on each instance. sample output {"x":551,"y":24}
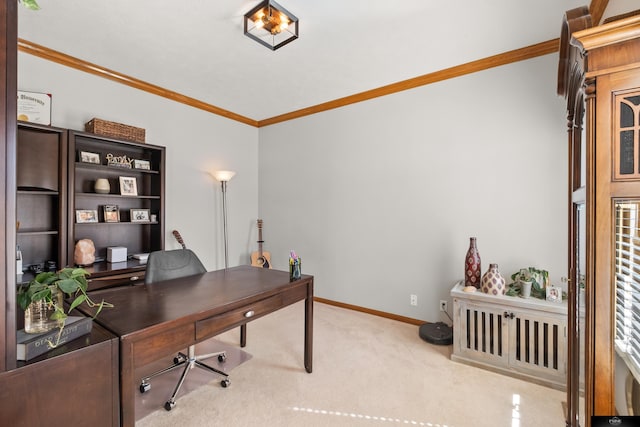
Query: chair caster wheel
{"x":222,"y":357}
{"x":178,"y":359}
{"x":169,"y":405}
{"x":144,"y":387}
{"x":225,"y":383}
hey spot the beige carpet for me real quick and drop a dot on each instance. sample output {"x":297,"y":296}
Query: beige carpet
{"x":367,"y":371}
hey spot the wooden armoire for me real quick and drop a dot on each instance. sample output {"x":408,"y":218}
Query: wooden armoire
{"x":599,"y":75}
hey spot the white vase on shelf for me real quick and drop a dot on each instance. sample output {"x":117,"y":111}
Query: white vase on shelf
{"x":102,"y":186}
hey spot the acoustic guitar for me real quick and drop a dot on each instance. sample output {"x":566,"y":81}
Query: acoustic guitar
{"x":178,"y":237}
{"x":260,"y":258}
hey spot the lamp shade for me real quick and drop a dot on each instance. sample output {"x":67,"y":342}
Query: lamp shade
{"x":223,"y":176}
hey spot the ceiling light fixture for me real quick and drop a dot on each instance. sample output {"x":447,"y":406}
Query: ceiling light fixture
{"x":271,"y":25}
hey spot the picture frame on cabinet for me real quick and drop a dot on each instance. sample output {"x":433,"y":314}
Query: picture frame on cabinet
{"x":140,"y":215}
{"x":554,"y":293}
{"x":128,"y":186}
{"x":142,"y":164}
{"x":86,"y":216}
{"x":89,"y":157}
{"x":111,"y":213}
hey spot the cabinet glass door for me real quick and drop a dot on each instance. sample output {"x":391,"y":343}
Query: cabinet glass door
{"x":627,"y":311}
{"x":576,"y":325}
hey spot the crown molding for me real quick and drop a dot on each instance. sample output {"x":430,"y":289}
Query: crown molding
{"x":516,"y":55}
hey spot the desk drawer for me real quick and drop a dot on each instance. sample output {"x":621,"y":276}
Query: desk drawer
{"x":223,"y":322}
{"x":163,"y":343}
{"x":116,"y":280}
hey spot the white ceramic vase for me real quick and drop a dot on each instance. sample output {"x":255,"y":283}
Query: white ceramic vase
{"x":492,"y":282}
{"x":102,"y":186}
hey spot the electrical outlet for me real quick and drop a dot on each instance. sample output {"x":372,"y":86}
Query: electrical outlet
{"x":414,"y":299}
{"x":443,"y":305}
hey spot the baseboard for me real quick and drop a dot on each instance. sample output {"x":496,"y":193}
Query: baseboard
{"x":370,"y":311}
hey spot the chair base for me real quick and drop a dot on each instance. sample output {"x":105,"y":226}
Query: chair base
{"x":189,"y":361}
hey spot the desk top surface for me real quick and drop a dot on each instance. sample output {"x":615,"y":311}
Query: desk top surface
{"x":188,"y":298}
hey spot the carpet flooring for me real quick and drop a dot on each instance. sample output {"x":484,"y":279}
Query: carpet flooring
{"x":367,"y":371}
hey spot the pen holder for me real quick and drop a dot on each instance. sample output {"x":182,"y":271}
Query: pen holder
{"x":295,"y":270}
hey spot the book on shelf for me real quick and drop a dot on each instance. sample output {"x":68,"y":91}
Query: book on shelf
{"x":33,"y":345}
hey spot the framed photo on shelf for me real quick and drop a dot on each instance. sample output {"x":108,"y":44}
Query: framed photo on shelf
{"x":128,"y":186}
{"x":86,"y":215}
{"x":140,"y":215}
{"x":89,"y":157}
{"x":142,"y":164}
{"x":111,"y":213}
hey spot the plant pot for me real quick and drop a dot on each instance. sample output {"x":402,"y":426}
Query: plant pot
{"x":37,"y":316}
{"x":525,"y":289}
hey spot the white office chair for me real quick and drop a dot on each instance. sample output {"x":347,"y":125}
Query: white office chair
{"x":165,"y":265}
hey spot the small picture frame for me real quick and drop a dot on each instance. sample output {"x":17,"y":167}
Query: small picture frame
{"x":140,"y":215}
{"x":86,"y":215}
{"x":111,"y":213}
{"x":89,"y":157}
{"x":142,"y":164}
{"x":128,"y":186}
{"x":554,"y":293}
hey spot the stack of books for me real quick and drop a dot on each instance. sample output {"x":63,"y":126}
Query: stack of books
{"x":33,"y":345}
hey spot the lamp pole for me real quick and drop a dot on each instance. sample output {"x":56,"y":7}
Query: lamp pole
{"x":224,"y":222}
{"x":224,"y":177}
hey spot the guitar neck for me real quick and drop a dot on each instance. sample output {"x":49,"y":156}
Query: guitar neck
{"x":260,"y":241}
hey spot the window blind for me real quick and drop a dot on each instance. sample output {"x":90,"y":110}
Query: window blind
{"x":627,"y":281}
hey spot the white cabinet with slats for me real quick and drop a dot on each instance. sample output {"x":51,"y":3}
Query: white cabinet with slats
{"x":523,"y":338}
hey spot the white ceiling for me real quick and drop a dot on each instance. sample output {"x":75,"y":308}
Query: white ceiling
{"x":197,"y":47}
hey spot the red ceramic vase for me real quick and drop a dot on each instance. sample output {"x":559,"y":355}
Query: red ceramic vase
{"x":472,"y":268}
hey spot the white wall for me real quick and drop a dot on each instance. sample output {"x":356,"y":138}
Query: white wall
{"x":196,"y":142}
{"x":380,"y":198}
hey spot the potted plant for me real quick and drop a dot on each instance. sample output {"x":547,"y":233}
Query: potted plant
{"x":538,"y":279}
{"x":41,"y":298}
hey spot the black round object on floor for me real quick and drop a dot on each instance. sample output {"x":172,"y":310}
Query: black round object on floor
{"x":437,"y":333}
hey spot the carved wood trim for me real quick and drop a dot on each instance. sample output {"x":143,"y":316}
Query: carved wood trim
{"x":614,"y":32}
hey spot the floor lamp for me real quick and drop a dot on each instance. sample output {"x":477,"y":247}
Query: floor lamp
{"x":224,"y":177}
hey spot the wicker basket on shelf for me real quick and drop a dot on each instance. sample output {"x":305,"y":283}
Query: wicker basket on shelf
{"x":115,"y":130}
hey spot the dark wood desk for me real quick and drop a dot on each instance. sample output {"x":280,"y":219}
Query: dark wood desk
{"x":154,"y":321}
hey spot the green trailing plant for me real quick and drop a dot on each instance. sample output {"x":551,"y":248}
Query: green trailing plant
{"x":71,"y":281}
{"x":30,"y":4}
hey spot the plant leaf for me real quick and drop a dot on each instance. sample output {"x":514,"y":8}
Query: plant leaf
{"x":76,"y":302}
{"x":41,"y":294}
{"x":24,"y":300}
{"x":30,"y":4}
{"x":68,"y":286}
{"x":58,"y":314}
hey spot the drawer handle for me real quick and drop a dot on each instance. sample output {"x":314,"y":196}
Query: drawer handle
{"x":134,"y":278}
{"x":249,"y":313}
